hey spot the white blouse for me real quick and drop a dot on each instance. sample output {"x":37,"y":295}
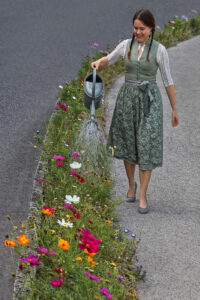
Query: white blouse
{"x":161,"y":58}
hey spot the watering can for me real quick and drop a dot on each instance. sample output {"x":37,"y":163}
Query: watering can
{"x":93,"y":91}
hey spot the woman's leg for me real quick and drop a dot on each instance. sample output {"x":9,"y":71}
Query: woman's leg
{"x":130,"y":172}
{"x":145,"y":176}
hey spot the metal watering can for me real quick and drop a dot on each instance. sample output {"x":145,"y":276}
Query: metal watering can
{"x":93,"y":92}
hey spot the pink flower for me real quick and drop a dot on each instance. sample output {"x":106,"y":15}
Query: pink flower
{"x":103,"y":119}
{"x":57,"y":282}
{"x":75,"y":154}
{"x":59,"y":270}
{"x":91,"y":276}
{"x":89,"y":242}
{"x":172,"y":22}
{"x":82,"y":79}
{"x":52,"y":252}
{"x":59,"y":163}
{"x":63,"y":106}
{"x":73,"y":173}
{"x":32,"y":260}
{"x":59,"y":157}
{"x":42,"y":250}
{"x":67,"y":143}
{"x":68,"y":206}
{"x":49,"y":208}
{"x":194,"y":11}
{"x":86,"y":173}
{"x":105,"y":292}
{"x":41,"y":180}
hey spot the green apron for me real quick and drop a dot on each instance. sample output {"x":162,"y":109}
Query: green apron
{"x":136,"y":130}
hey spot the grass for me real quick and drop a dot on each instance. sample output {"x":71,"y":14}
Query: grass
{"x":60,"y":257}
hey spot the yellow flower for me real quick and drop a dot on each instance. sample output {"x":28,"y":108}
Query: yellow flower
{"x":89,"y":259}
{"x":79,"y":258}
{"x":52,"y":231}
{"x":23,"y":226}
{"x":62,"y":180}
{"x":10,"y":243}
{"x":113,"y":264}
{"x":35,"y":147}
{"x":64,"y":245}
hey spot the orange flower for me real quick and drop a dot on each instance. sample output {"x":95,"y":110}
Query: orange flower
{"x":134,"y":294}
{"x":79,"y":258}
{"x":23,"y":226}
{"x":89,"y":259}
{"x":10,"y":243}
{"x":23,"y":240}
{"x":47,"y":211}
{"x":64,"y":245}
{"x":110,"y":222}
{"x":90,"y":254}
{"x":82,"y":116}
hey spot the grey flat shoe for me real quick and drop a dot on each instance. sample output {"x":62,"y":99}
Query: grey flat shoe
{"x":143,"y":210}
{"x":132,"y":199}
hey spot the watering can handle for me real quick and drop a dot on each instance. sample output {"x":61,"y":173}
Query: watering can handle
{"x":94,"y":82}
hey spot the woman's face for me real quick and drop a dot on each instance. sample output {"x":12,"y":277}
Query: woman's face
{"x":141,"y":31}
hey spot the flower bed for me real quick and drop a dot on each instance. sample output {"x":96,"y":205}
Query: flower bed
{"x":71,"y":240}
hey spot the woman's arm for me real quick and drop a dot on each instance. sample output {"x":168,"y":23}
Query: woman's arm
{"x":172,"y":98}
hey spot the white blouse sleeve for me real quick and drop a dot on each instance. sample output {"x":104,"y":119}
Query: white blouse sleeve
{"x":163,"y":63}
{"x":118,"y":53}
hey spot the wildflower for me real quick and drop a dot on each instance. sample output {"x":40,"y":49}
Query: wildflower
{"x":41,"y":180}
{"x":35,"y":147}
{"x":109,"y":274}
{"x":68,"y":206}
{"x":57,"y":282}
{"x":69,"y":199}
{"x":60,"y":87}
{"x":76,"y":154}
{"x":64,"y":245}
{"x":52,"y":231}
{"x":194,"y":11}
{"x":104,"y":52}
{"x":94,"y":45}
{"x":59,"y":270}
{"x":23,"y":240}
{"x":134,"y":294}
{"x":63,"y":106}
{"x":126,"y":230}
{"x":79,"y":258}
{"x":120,"y":277}
{"x":23,"y":226}
{"x":85,"y":173}
{"x":52,"y":252}
{"x":75,"y":165}
{"x":65,"y":224}
{"x":37,"y":131}
{"x":110,"y":222}
{"x":10,"y":243}
{"x":133,"y":235}
{"x":89,"y":242}
{"x":73,"y":173}
{"x":172,"y":22}
{"x":91,"y":276}
{"x":184,"y":18}
{"x":82,"y":80}
{"x":105,"y":292}
{"x":90,"y":254}
{"x":47,"y":210}
{"x":42,"y":250}
{"x":32,"y":260}
{"x":113,"y":264}
{"x":59,"y":163}
{"x":59,"y":157}
{"x":67,"y":144}
{"x":103,"y":119}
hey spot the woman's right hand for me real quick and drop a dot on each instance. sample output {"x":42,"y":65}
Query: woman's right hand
{"x":95,"y":64}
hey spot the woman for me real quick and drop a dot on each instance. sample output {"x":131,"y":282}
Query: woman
{"x":136,"y":129}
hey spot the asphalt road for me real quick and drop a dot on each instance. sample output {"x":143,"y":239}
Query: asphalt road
{"x":42,"y":43}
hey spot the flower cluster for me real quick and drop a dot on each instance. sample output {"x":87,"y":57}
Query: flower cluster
{"x":89,"y":242}
{"x":47,"y":210}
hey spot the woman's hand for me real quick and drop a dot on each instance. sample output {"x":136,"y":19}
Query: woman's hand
{"x":175,"y":120}
{"x":96,"y":64}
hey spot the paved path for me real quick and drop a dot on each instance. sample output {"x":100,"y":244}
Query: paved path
{"x":170,"y":244}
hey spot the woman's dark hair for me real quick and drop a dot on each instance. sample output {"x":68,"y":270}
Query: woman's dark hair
{"x":147,"y":18}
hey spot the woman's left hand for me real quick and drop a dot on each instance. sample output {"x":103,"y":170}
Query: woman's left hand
{"x":175,"y":120}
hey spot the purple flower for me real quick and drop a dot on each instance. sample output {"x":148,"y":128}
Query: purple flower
{"x":94,"y":45}
{"x":104,"y":52}
{"x":32,"y":260}
{"x":194,"y":11}
{"x":103,"y":119}
{"x":66,"y":143}
{"x":52,"y":252}
{"x":57,"y":282}
{"x":105,"y":292}
{"x":172,"y":22}
{"x":91,"y":276}
{"x":120,"y":277}
{"x":59,"y":157}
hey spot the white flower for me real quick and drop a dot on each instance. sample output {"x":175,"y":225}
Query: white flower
{"x":69,"y":199}
{"x":65,"y":224}
{"x":60,"y":86}
{"x":74,"y":97}
{"x":75,"y":165}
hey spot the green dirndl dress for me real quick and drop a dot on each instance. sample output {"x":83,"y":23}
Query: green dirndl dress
{"x":136,"y":130}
